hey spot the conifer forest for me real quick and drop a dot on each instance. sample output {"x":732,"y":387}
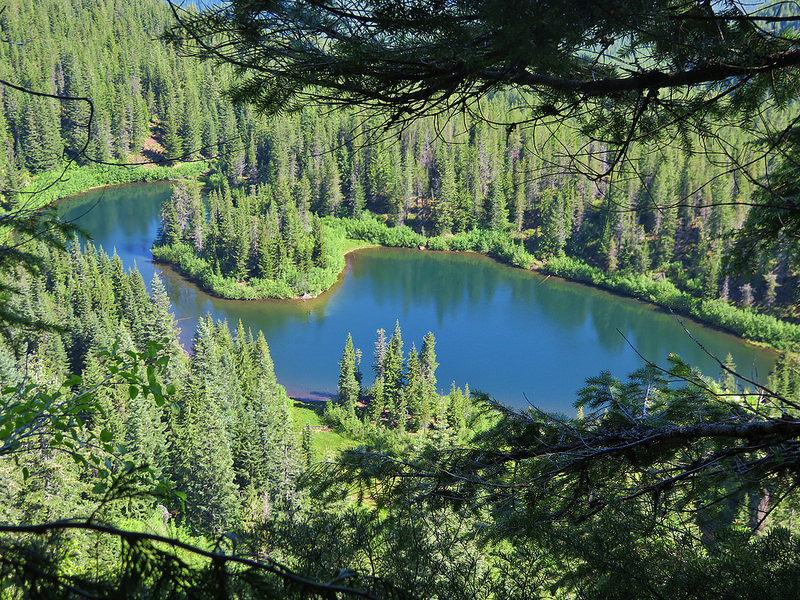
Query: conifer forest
{"x":137,"y":464}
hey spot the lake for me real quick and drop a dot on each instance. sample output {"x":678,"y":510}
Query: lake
{"x":511,"y":333}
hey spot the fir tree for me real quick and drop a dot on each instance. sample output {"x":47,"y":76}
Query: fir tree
{"x":308,"y":446}
{"x":427,"y":367}
{"x":349,"y":387}
{"x":206,"y":457}
{"x":377,"y":396}
{"x":413,"y":393}
{"x":393,"y":378}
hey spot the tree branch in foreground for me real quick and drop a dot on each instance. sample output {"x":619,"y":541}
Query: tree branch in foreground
{"x":217,"y":558}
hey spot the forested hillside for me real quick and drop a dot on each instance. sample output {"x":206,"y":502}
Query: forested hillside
{"x":670,"y":216}
{"x":132,"y":466}
{"x":673,"y":218}
{"x":148,"y":104}
{"x":228,"y":417}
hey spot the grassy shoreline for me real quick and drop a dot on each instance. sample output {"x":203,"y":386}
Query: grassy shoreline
{"x":756,"y":328}
{"x":747,"y":323}
{"x":51,"y":187}
{"x":352,"y":234}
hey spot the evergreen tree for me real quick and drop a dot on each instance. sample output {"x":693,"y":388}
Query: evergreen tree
{"x":206,"y":458}
{"x":427,"y":367}
{"x":308,"y":446}
{"x":785,"y":376}
{"x":555,"y":224}
{"x":378,"y":399}
{"x":357,"y":199}
{"x":170,"y":231}
{"x":456,"y":409}
{"x":414,"y":390}
{"x":318,"y":254}
{"x":393,"y":377}
{"x":349,"y":387}
{"x":270,"y":442}
{"x":161,"y":327}
{"x":497,"y":208}
{"x":173,"y":141}
{"x":146,"y":434}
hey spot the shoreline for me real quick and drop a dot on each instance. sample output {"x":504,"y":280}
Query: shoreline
{"x":76,"y":178}
{"x":693,"y":308}
{"x":539,"y":269}
{"x":304,"y":297}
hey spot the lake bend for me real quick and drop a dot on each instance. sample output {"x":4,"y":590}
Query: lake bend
{"x":514,"y":334}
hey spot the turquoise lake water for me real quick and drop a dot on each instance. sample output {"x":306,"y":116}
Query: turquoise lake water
{"x":505,"y":331}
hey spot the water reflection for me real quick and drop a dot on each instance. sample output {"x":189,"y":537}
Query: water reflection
{"x":449,"y":286}
{"x":509,"y":332}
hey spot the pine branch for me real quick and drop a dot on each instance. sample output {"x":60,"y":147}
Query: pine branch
{"x":220,"y":560}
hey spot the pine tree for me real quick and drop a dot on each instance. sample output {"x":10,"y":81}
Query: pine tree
{"x":136,"y":307}
{"x":266,"y":443}
{"x":456,"y":409}
{"x":377,"y":402}
{"x":427,"y":366}
{"x":393,"y":378}
{"x":170,"y":231}
{"x":555,"y":225}
{"x":308,"y":446}
{"x":785,"y":376}
{"x":319,"y":253}
{"x":171,"y":124}
{"x":497,"y":208}
{"x":205,"y":440}
{"x":349,"y":388}
{"x":414,"y":391}
{"x":357,"y":198}
{"x":208,"y":480}
{"x":331,"y":188}
{"x":377,"y":396}
{"x":40,"y":139}
{"x":728,"y":379}
{"x":443,"y":207}
{"x":146,"y":434}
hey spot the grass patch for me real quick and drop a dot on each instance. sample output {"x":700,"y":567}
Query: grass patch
{"x":326,"y":442}
{"x":48,"y":187}
{"x":351,"y":245}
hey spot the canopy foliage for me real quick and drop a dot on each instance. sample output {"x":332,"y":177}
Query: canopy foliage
{"x":620,"y":73}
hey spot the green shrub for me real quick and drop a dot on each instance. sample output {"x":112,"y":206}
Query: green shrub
{"x":744,"y":322}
